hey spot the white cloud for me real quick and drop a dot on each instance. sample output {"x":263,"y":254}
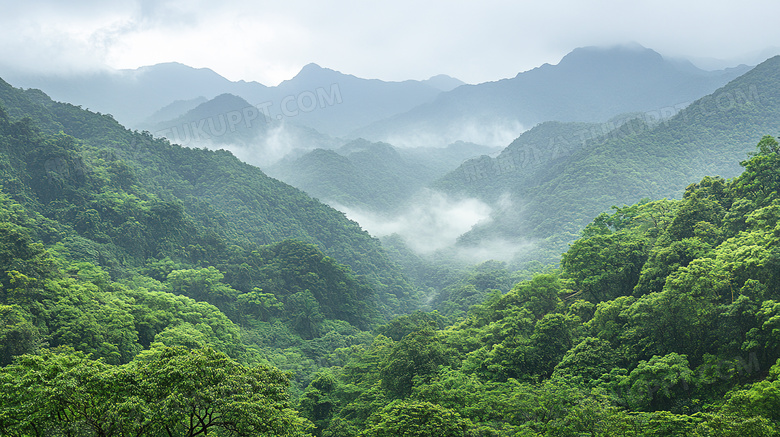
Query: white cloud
{"x":270,"y":41}
{"x":397,"y":40}
{"x":434,"y":221}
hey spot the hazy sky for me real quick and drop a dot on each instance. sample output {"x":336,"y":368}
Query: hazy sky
{"x":269,"y":41}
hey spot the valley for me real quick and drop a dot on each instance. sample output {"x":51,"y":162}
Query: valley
{"x":588,"y":247}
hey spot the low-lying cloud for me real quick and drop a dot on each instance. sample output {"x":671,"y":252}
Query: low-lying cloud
{"x":492,"y":249}
{"x":267,"y":149}
{"x":487,"y":133}
{"x":433,"y":222}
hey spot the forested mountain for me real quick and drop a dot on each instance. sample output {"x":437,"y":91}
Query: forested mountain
{"x":211,"y":192}
{"x":560,"y":176}
{"x":133,"y":96}
{"x":230,"y":122}
{"x":114,"y":205}
{"x":371,"y":176}
{"x":588,"y":85}
{"x":662,"y":320}
{"x":150,"y":289}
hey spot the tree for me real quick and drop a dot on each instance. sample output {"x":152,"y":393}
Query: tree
{"x":204,"y":285}
{"x":172,"y":392}
{"x":605,"y":266}
{"x":658,"y":383}
{"x":418,"y":355}
{"x":196,"y":392}
{"x":589,"y":359}
{"x":417,"y":419}
{"x":259,"y":305}
{"x":768,"y":145}
{"x":17,"y":335}
{"x":58,"y":394}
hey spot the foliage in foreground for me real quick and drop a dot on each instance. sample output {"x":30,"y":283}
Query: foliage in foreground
{"x":173,"y":392}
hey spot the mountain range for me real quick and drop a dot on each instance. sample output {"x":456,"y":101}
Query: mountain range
{"x":589,"y":84}
{"x":571,"y":107}
{"x":137,"y":97}
{"x":126,"y":197}
{"x":558,"y":176}
{"x":155,"y":288}
{"x":371,"y":176}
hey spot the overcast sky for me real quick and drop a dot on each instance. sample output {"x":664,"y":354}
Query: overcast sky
{"x":269,"y":41}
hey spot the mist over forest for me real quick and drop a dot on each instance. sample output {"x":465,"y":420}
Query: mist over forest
{"x":586,"y":246}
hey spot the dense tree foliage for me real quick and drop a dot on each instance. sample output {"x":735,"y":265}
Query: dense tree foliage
{"x":136,"y":301}
{"x":174,"y":392}
{"x":113,"y":243}
{"x":134,"y":197}
{"x":662,"y":320}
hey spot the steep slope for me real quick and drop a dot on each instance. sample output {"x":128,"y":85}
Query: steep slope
{"x":230,"y":122}
{"x":633,"y":161}
{"x":588,"y":85}
{"x":210,"y":199}
{"x":133,"y":95}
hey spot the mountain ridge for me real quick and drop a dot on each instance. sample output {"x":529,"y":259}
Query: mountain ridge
{"x":632,"y":161}
{"x":587,"y":85}
{"x":132,"y":96}
{"x":220,"y":200}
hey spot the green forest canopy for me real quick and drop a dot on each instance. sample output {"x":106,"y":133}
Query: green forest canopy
{"x":123,"y":315}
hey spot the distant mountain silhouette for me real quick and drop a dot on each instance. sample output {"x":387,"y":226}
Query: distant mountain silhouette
{"x":589,"y":85}
{"x":372,"y":176}
{"x":327,"y":100}
{"x":230,"y":122}
{"x":558,"y":176}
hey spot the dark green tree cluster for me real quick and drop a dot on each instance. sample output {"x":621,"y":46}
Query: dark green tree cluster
{"x":174,"y":392}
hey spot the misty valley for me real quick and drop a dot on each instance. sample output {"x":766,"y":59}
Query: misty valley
{"x":587,"y":248}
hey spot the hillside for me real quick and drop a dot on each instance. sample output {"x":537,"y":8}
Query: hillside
{"x":231,"y":123}
{"x":661,"y":321}
{"x":637,"y":160}
{"x":193,"y":202}
{"x":370,"y":176}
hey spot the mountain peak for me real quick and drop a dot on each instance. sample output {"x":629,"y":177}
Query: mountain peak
{"x":624,"y":53}
{"x":311,"y":66}
{"x":311,"y":74}
{"x":444,"y":82}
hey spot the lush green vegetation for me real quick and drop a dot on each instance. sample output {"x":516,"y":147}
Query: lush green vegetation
{"x":135,"y":197}
{"x":115,"y":246}
{"x":559,"y":176}
{"x":662,"y":320}
{"x":152,"y":290}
